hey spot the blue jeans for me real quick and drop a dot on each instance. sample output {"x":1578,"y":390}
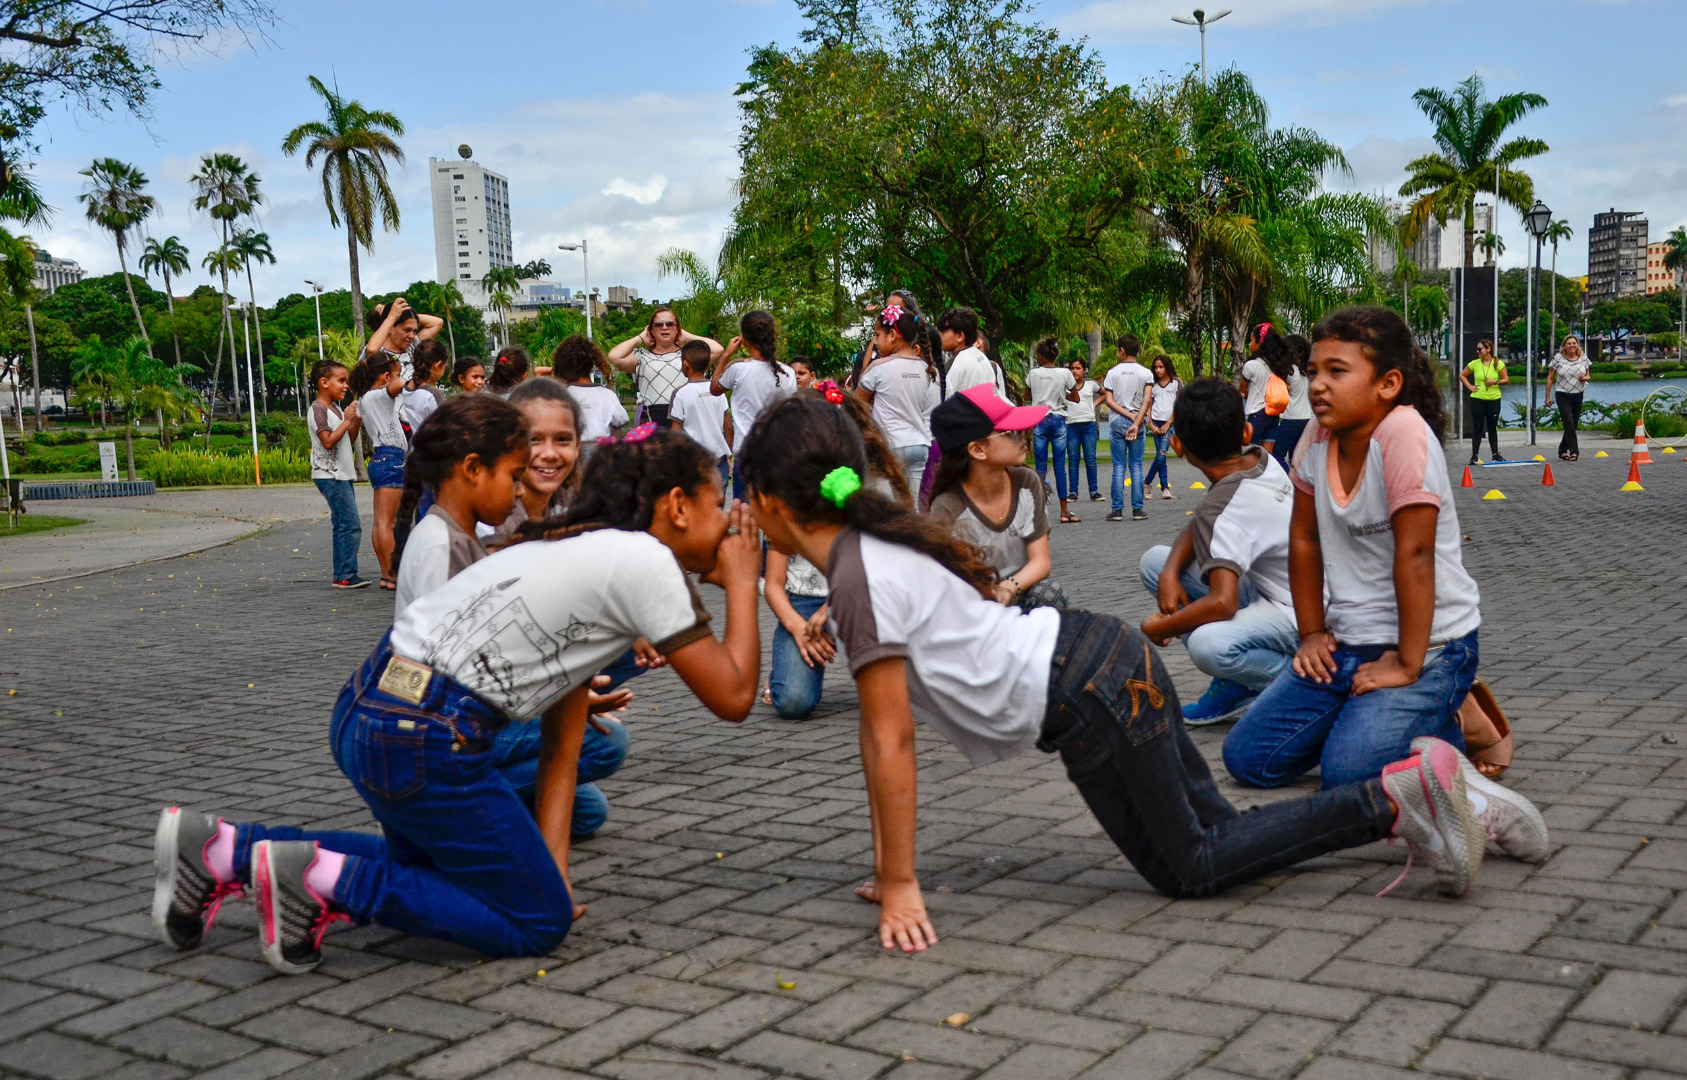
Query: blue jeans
{"x":1288,"y":437}
{"x":724,"y":465}
{"x":1162,"y":462}
{"x":795,"y":685}
{"x":515,"y":753}
{"x":1127,"y":453}
{"x":1114,"y":716}
{"x":460,"y":858}
{"x":1049,"y":438}
{"x":1082,"y":438}
{"x":347,"y":526}
{"x":1297,"y":723}
{"x":1265,"y":426}
{"x":1252,"y":647}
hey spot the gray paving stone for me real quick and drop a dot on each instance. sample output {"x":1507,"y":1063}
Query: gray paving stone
{"x":1518,"y":1014}
{"x":1633,"y":998}
{"x":50,"y":1055}
{"x":477,"y":1055}
{"x":783,"y":1053}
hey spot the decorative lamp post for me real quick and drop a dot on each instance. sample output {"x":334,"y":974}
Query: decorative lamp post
{"x":1201,"y":20}
{"x":1537,"y":221}
{"x":586,"y":269}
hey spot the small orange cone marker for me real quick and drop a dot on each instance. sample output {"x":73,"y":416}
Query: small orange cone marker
{"x":1638,"y":454}
{"x":1546,"y":478}
{"x":1467,"y":481}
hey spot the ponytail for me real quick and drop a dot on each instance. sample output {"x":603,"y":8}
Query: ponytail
{"x":1384,"y":338}
{"x":757,"y":330}
{"x":800,"y":442}
{"x":479,"y":424}
{"x":509,"y":368}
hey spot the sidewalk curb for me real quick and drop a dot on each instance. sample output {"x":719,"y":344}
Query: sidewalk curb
{"x":139,"y":562}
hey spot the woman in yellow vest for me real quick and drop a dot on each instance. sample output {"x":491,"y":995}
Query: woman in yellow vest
{"x":1483,"y":377}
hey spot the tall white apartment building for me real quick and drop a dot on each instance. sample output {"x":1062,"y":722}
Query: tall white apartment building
{"x":471,"y":222}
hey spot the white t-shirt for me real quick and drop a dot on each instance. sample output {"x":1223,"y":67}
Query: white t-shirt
{"x":1160,"y":408}
{"x":978,"y":671}
{"x":803,"y":578}
{"x":1049,"y":386}
{"x":1300,"y":406}
{"x":600,"y":410}
{"x":659,"y":376}
{"x":437,"y":550}
{"x":970,"y":368}
{"x":754,"y":390}
{"x":1257,"y":373}
{"x":702,"y":415}
{"x":338,"y":462}
{"x":379,"y":412}
{"x":419,"y":404}
{"x":1404,"y":467}
{"x":1126,"y":382}
{"x":1082,"y":411}
{"x":902,"y":399}
{"x":525,"y":625}
{"x":1242,"y":525}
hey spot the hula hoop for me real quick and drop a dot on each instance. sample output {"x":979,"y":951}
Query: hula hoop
{"x":1666,"y":392}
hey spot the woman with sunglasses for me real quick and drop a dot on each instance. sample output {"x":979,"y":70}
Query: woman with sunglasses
{"x":652,"y":357}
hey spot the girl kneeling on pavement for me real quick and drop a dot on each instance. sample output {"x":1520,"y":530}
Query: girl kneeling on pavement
{"x":912,"y":609}
{"x":518,"y":634}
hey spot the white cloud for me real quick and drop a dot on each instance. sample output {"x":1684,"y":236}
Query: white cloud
{"x":644,"y":194}
{"x":1120,"y":20}
{"x":1676,"y":101}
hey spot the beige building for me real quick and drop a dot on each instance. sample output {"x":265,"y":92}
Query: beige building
{"x":1659,"y":278}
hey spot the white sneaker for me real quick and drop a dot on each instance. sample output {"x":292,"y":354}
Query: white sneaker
{"x":1433,"y":816}
{"x":1515,"y":827}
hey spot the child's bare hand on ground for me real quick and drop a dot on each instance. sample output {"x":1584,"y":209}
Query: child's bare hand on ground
{"x":1316,"y":657}
{"x":1383,"y":672}
{"x":903,"y":922}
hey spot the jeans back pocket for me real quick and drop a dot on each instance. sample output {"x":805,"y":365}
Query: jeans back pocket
{"x":394,"y":761}
{"x":1128,"y":686}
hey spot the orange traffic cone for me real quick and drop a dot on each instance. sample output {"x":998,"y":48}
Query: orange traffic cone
{"x":1546,"y":478}
{"x":1633,"y":477}
{"x":1638,"y":454}
{"x":1467,"y":481}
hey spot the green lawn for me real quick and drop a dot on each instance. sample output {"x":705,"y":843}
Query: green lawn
{"x":37,"y":523}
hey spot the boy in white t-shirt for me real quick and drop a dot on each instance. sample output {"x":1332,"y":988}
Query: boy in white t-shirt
{"x":1128,"y":392}
{"x":970,"y":365}
{"x":1224,"y":583}
{"x":696,"y":410}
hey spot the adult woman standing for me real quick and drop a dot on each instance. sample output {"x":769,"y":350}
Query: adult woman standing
{"x":395,"y":328}
{"x":1483,"y":377}
{"x":652,"y":357}
{"x":1566,"y":380}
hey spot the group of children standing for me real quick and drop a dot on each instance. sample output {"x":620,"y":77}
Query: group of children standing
{"x":473,"y":729}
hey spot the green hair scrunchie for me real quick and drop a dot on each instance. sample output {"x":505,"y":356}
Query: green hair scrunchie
{"x":839,"y":485}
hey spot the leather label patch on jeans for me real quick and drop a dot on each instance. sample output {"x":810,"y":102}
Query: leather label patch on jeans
{"x":405,"y":679}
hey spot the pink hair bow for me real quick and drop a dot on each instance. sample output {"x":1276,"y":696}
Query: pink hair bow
{"x":831,"y":390}
{"x":634,"y":435}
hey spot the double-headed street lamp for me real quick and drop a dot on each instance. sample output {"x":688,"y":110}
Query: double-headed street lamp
{"x":586,"y":268}
{"x":1537,"y":221}
{"x":317,"y":291}
{"x":1201,"y":20}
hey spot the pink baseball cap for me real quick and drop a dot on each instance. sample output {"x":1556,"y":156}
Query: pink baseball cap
{"x":973,"y":414}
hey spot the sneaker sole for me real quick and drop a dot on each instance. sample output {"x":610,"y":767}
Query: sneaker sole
{"x":165,"y":849}
{"x":263,"y":889}
{"x":1453,"y":805}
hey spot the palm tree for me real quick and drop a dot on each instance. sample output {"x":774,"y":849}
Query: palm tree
{"x":443,"y":300}
{"x":223,"y":261}
{"x":167,"y":257}
{"x":354,"y":144}
{"x":117,"y":202}
{"x":254,"y":247}
{"x":501,"y":283}
{"x":1492,"y":244}
{"x":1675,"y":258}
{"x":226,"y":188}
{"x":1472,"y":160}
{"x":1555,"y":231}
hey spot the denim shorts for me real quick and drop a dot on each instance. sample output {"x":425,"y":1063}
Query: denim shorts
{"x":386,"y":467}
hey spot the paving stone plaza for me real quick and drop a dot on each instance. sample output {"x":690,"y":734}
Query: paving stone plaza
{"x":724,"y":942}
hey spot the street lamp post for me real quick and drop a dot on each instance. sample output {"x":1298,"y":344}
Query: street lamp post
{"x":1537,"y":221}
{"x":586,"y":270}
{"x":316,"y":290}
{"x":1201,"y":20}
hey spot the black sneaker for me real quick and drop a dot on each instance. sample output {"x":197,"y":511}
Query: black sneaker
{"x":1117,"y":515}
{"x":1139,"y":515}
{"x":353,"y":582}
{"x":187,"y":894}
{"x":1496,"y":457}
{"x":1096,"y":496}
{"x":1474,"y":460}
{"x":291,"y":917}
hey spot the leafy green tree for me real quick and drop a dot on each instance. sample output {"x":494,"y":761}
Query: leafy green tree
{"x":1557,"y":230}
{"x":1492,"y":244}
{"x":116,"y":201}
{"x":130,"y":378}
{"x":168,"y":257}
{"x":1675,"y":258}
{"x":1471,"y":158}
{"x":353,"y":144}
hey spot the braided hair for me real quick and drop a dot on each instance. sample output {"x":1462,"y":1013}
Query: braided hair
{"x":757,"y":330}
{"x":478,"y":424}
{"x":623,"y":481}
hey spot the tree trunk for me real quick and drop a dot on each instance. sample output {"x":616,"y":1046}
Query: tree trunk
{"x":258,"y":332}
{"x":451,"y":334}
{"x":34,"y":365}
{"x":211,"y":405}
{"x":1194,"y":301}
{"x":129,"y":438}
{"x":123,"y":264}
{"x":356,"y":288}
{"x":171,"y":300}
{"x":1092,"y":338}
{"x":233,"y":350}
{"x":163,"y":431}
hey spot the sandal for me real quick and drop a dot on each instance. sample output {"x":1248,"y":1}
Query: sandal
{"x":389,"y":584}
{"x":1070,"y":519}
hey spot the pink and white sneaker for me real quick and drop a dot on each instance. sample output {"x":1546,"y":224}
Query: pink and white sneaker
{"x":292,"y":917}
{"x":1515,"y":826}
{"x":187,"y":893}
{"x":1433,"y":816}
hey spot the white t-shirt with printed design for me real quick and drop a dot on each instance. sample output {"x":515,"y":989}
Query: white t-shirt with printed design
{"x":330,"y":463}
{"x":755,"y":389}
{"x":524,"y":626}
{"x":379,"y":412}
{"x":1082,"y":411}
{"x":902,"y":399}
{"x":1048,"y":387}
{"x":600,"y":410}
{"x":1403,"y":467}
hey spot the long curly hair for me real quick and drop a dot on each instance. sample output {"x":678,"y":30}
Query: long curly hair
{"x":478,"y":424}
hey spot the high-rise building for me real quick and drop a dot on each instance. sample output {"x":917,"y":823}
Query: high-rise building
{"x":1660,"y":278}
{"x":471,"y":223}
{"x":51,"y":272}
{"x":1616,"y":256}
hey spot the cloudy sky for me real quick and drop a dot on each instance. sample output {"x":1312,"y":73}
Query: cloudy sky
{"x":614,"y":119}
